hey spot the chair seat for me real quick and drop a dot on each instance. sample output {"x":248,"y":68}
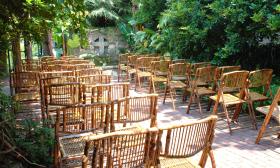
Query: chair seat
{"x":159,"y":79}
{"x":73,"y":145}
{"x":179,"y":78}
{"x":228,"y":99}
{"x":27,"y":96}
{"x":257,"y":97}
{"x":160,"y":73}
{"x":203,"y":91}
{"x":177,"y":84}
{"x":144,"y":74}
{"x":275,"y":114}
{"x":177,"y":162}
{"x":132,"y":71}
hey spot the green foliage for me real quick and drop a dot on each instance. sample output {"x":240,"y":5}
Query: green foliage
{"x":226,"y":32}
{"x":103,"y":13}
{"x":99,"y":60}
{"x":74,"y":42}
{"x":36,"y":141}
{"x":30,"y":137}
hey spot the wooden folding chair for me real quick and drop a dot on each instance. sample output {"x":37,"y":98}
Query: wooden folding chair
{"x":269,"y":111}
{"x":90,"y":81}
{"x":130,"y":68}
{"x":185,"y":140}
{"x":232,"y":80}
{"x":135,"y":148}
{"x":26,"y":86}
{"x":160,"y":70}
{"x":61,"y":95}
{"x":194,"y":66}
{"x":179,"y":61}
{"x":203,"y":75}
{"x":109,"y":92}
{"x":89,"y":71}
{"x":177,"y":79}
{"x":73,"y":125}
{"x":143,"y":69}
{"x":134,"y":109}
{"x":122,"y":65}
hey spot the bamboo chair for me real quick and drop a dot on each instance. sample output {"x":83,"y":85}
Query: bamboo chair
{"x":185,"y":140}
{"x":160,"y":71}
{"x":130,"y":69}
{"x":86,"y":72}
{"x":26,"y":86}
{"x":85,"y":66}
{"x":177,"y":79}
{"x":121,"y":149}
{"x":90,"y":81}
{"x":232,"y":80}
{"x":203,"y":75}
{"x":143,"y":69}
{"x":61,"y":95}
{"x":78,"y":61}
{"x":135,"y":109}
{"x":109,"y":92}
{"x":179,"y":61}
{"x":269,"y":111}
{"x":73,"y":125}
{"x":123,"y":63}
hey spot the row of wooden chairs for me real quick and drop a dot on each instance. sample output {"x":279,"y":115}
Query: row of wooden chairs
{"x":100,"y":118}
{"x":167,"y":146}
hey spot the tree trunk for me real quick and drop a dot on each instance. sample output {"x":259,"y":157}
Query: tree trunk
{"x":47,"y":44}
{"x":28,"y":49}
{"x":16,"y":52}
{"x":3,"y":61}
{"x":64,"y":44}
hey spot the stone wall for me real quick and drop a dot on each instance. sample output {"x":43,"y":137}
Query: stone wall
{"x":105,"y":41}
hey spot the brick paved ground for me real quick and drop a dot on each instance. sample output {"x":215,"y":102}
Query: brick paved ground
{"x":237,"y":150}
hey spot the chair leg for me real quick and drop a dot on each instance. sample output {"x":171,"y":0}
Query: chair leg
{"x":212,"y":158}
{"x":252,"y":115}
{"x":172,"y":99}
{"x":199,"y":104}
{"x":189,"y":104}
{"x":263,"y":128}
{"x":210,"y":101}
{"x":165,"y":93}
{"x":228,"y":119}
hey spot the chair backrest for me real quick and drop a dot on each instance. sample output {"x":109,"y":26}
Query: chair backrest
{"x":179,"y":61}
{"x":25,"y":81}
{"x":144,"y":63}
{"x":179,"y":70}
{"x":123,"y":58}
{"x":235,"y":79}
{"x":224,"y":69}
{"x":89,"y":71}
{"x":109,"y":92}
{"x":84,"y":66}
{"x":194,"y":66}
{"x":205,"y":75}
{"x":187,"y":139}
{"x":160,"y":67}
{"x":137,"y":108}
{"x":132,"y":60}
{"x":83,"y":118}
{"x":63,"y":94}
{"x":260,"y":78}
{"x":78,"y":61}
{"x":121,"y":149}
{"x":94,"y":79}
